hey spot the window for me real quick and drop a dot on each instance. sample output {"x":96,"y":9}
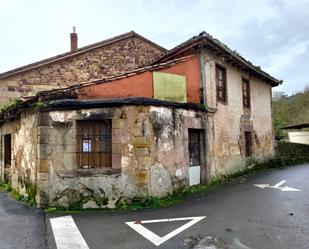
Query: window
{"x":94,"y":144}
{"x":7,"y":150}
{"x":221,"y":83}
{"x":194,"y":147}
{"x":248,"y":143}
{"x":246,"y":93}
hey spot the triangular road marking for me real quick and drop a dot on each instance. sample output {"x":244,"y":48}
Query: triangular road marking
{"x":262,"y":185}
{"x":154,"y":238}
{"x":289,"y":189}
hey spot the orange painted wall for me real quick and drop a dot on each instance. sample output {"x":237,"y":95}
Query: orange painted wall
{"x":141,"y":85}
{"x":190,"y":69}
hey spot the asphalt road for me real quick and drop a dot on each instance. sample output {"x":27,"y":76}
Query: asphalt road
{"x":21,"y":227}
{"x":237,"y":212}
{"x":241,"y":214}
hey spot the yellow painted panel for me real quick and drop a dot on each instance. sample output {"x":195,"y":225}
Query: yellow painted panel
{"x":170,"y":87}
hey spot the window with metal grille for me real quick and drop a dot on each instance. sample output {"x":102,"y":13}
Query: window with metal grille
{"x":194,"y":147}
{"x":246,"y":93}
{"x":94,"y":144}
{"x":221,"y":83}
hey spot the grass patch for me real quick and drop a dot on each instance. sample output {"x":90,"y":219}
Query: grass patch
{"x":5,"y":186}
{"x":17,"y":196}
{"x":60,"y":210}
{"x":30,"y":189}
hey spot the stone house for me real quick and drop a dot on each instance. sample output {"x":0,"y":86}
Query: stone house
{"x":196,"y":112}
{"x":103,"y":59}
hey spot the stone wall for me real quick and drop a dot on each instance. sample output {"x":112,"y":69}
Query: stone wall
{"x":228,"y":125}
{"x":106,"y":61}
{"x":149,"y":155}
{"x":292,"y":152}
{"x":22,"y":172}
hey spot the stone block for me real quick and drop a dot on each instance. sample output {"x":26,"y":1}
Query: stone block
{"x":141,"y":177}
{"x":145,"y":109}
{"x":43,"y":151}
{"x":118,"y":124}
{"x":143,"y":162}
{"x":43,"y":119}
{"x":43,"y":166}
{"x":43,"y":139}
{"x":128,"y":171}
{"x":140,"y":142}
{"x":43,"y":176}
{"x":120,"y":136}
{"x":116,"y":161}
{"x":116,"y":148}
{"x":90,"y":205}
{"x":161,"y":182}
{"x":142,"y":151}
{"x":44,"y":130}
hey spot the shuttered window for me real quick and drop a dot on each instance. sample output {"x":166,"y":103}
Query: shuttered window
{"x":94,"y":144}
{"x":246,"y":93}
{"x":221,"y":83}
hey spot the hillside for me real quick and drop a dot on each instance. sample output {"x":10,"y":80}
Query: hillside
{"x":288,"y":110}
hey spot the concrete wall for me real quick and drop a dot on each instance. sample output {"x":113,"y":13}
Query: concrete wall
{"x":301,"y":137}
{"x":23,"y":169}
{"x":149,"y":155}
{"x":106,"y":61}
{"x":231,"y":120}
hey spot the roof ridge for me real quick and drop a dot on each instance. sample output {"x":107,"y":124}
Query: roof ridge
{"x":76,"y":52}
{"x":204,"y":35}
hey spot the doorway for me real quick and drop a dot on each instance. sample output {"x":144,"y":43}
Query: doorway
{"x":248,"y":143}
{"x":7,"y":150}
{"x":195,"y":145}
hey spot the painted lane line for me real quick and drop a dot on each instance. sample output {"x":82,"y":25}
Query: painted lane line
{"x":154,"y":238}
{"x":66,"y":233}
{"x":280,"y":183}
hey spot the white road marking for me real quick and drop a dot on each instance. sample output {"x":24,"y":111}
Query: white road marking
{"x":280,"y":183}
{"x":277,"y":186}
{"x":261,"y":185}
{"x":154,"y":238}
{"x":289,"y":189}
{"x":66,"y":233}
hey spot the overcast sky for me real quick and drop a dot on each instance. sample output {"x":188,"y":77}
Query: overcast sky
{"x":273,"y":34}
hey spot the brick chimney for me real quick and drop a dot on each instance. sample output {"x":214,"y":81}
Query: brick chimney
{"x":73,"y":40}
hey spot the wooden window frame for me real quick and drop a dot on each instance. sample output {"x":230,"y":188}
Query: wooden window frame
{"x":94,"y":144}
{"x":246,"y":98}
{"x":224,"y":88}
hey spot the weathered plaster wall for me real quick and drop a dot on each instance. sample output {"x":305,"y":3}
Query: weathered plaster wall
{"x":109,"y":60}
{"x":23,"y":168}
{"x":149,"y":155}
{"x":231,"y":120}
